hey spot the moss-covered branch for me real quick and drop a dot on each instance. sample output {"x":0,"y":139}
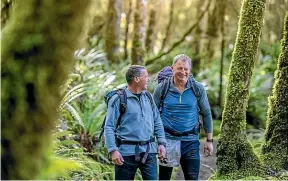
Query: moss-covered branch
{"x":275,"y":148}
{"x":37,"y":55}
{"x":235,"y":156}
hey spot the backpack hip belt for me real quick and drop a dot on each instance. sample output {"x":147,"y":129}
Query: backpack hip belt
{"x":195,"y":131}
{"x":137,"y":149}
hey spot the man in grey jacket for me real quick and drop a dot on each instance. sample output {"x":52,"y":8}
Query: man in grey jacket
{"x":132,"y":144}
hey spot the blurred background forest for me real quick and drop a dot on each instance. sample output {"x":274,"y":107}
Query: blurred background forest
{"x":151,"y":33}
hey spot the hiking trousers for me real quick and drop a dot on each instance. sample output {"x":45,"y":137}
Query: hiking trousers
{"x":190,"y":162}
{"x":129,"y":168}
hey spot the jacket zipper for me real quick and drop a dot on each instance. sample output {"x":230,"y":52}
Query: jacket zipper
{"x":180,"y":98}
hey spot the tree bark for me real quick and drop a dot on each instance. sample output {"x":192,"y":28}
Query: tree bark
{"x":214,"y":22}
{"x":128,"y":16}
{"x":112,"y":30}
{"x":37,"y":54}
{"x":196,"y":63}
{"x":150,"y":31}
{"x":138,"y":44}
{"x":275,"y":148}
{"x":167,"y":34}
{"x":235,"y":156}
{"x":222,"y":29}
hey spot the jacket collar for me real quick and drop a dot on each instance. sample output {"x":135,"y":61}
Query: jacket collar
{"x":130,"y":94}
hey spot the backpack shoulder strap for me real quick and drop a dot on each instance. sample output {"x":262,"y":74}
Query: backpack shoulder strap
{"x":123,"y":102}
{"x":165,"y":87}
{"x":164,"y":91}
{"x":122,"y":108}
{"x":195,"y":88}
{"x":150,"y":99}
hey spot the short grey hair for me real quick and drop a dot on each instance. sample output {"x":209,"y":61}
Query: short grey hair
{"x":182,"y":57}
{"x":133,"y":71}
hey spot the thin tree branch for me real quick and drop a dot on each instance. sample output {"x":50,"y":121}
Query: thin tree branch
{"x":178,"y":42}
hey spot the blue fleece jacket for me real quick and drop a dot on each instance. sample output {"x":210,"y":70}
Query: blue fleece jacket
{"x":180,"y":111}
{"x":139,"y":123}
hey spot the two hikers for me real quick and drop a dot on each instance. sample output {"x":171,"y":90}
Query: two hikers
{"x":131,"y":142}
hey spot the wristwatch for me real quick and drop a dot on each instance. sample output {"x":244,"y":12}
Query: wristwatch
{"x":209,"y":140}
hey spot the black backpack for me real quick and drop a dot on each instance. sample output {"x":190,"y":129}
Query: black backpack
{"x":122,"y":108}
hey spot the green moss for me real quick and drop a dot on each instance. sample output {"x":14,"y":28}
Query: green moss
{"x":275,"y":148}
{"x":37,"y":53}
{"x":235,"y":155}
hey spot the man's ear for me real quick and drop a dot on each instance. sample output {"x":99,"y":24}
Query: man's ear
{"x":136,"y":79}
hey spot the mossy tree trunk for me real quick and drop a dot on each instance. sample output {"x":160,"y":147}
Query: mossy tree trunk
{"x":138,"y":42}
{"x":275,"y":148}
{"x":112,"y":30}
{"x":150,"y":30}
{"x":235,"y":156}
{"x":37,"y":55}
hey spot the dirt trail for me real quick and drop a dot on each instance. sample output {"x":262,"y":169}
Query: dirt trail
{"x":207,"y":165}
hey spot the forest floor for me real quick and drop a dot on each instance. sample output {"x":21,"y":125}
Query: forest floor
{"x":207,"y":164}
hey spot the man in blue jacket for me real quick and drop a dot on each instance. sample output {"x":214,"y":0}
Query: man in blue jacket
{"x":132,"y":144}
{"x":179,"y":112}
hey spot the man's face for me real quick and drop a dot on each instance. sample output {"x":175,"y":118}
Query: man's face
{"x":181,"y":71}
{"x":142,"y":80}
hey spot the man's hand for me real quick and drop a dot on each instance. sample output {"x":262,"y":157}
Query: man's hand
{"x":117,"y":158}
{"x":161,"y":152}
{"x":208,"y":148}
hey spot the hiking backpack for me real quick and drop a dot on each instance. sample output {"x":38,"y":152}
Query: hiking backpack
{"x":122,"y":108}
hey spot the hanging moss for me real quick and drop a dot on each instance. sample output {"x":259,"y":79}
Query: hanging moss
{"x":138,"y":49}
{"x":37,"y":55}
{"x":275,"y":148}
{"x":112,"y":30}
{"x":235,"y":156}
